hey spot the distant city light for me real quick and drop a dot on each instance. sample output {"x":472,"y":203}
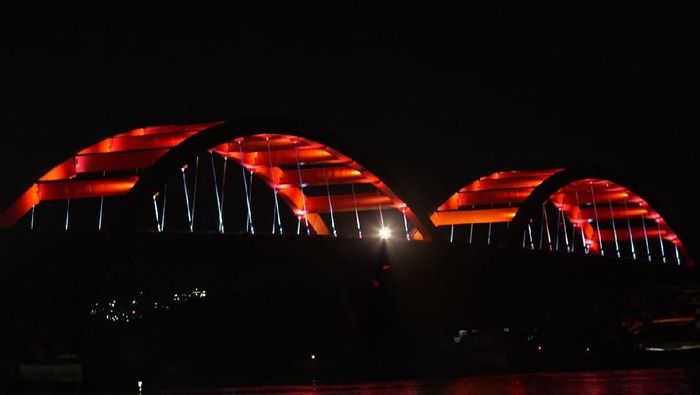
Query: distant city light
{"x":384,"y":233}
{"x":115,"y":311}
{"x":313,"y":356}
{"x":539,"y":348}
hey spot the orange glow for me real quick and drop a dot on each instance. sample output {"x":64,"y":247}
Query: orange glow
{"x":444,"y":218}
{"x":481,"y":198}
{"x":617,"y":213}
{"x":503,"y":183}
{"x":343,"y":203}
{"x":280,"y":160}
{"x":500,"y":188}
{"x":272,"y":157}
{"x":417,"y":236}
{"x":135,"y":149}
{"x":284,"y":157}
{"x":674,"y":320}
{"x":316,"y":223}
{"x":543,"y":174}
{"x":131,"y":143}
{"x":86,"y":188}
{"x":605,"y":193}
{"x":318,"y":176}
{"x":63,"y":171}
{"x":195,"y":127}
{"x":98,"y":163}
{"x":569,"y":197}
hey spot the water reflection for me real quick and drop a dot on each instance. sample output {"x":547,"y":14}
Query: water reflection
{"x":627,"y":382}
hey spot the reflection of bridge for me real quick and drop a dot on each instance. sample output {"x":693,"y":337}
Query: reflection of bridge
{"x":181,"y":174}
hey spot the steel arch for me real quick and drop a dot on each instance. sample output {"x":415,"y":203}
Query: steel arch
{"x":515,"y":197}
{"x":257,"y":144}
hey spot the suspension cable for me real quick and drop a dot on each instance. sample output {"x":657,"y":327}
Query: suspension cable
{"x":303,"y":197}
{"x":102,"y":202}
{"x":612,"y":220}
{"x":31,"y":221}
{"x":566,"y":235}
{"x":661,"y":242}
{"x":155,"y":210}
{"x":162,"y":214}
{"x":586,"y":249}
{"x":357,"y":215}
{"x":597,"y":223}
{"x":216,"y":192}
{"x":541,"y":229}
{"x":194,"y":192}
{"x":556,"y":248}
{"x":546,"y":221}
{"x":405,"y":224}
{"x":249,"y":217}
{"x":67,"y":213}
{"x":223,"y":189}
{"x":488,"y":237}
{"x":328,"y":194}
{"x":379,"y":202}
{"x":187,"y":197}
{"x":250,"y":199}
{"x":646,"y":238}
{"x":629,"y":229}
{"x":274,"y":187}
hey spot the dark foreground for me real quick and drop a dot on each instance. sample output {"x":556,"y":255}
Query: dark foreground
{"x":96,"y":312}
{"x":628,"y":382}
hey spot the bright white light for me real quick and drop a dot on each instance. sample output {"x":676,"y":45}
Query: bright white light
{"x":140,"y":384}
{"x":384,"y":233}
{"x":313,"y":356}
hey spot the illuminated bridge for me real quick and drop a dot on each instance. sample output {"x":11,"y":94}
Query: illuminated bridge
{"x":560,"y":210}
{"x":321,"y":187}
{"x":262,"y":243}
{"x":204,"y":177}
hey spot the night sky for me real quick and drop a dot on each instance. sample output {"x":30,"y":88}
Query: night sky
{"x":437,"y":100}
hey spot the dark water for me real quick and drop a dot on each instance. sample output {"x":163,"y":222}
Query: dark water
{"x":627,"y":382}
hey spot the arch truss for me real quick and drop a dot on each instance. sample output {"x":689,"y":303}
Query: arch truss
{"x":318,"y":183}
{"x":553,"y":210}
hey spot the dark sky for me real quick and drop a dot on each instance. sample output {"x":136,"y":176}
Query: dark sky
{"x":437,"y":99}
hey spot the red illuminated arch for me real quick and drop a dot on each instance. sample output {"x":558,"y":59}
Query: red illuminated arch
{"x":81,"y":176}
{"x":134,"y":162}
{"x":516,"y":196}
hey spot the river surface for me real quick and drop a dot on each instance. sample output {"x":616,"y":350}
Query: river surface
{"x":627,"y":382}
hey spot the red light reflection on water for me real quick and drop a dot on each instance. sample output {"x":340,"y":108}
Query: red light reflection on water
{"x":628,"y":382}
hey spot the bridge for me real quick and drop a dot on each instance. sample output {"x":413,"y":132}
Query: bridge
{"x":286,"y":233}
{"x":183,"y":175}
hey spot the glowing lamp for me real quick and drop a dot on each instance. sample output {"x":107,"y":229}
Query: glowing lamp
{"x":384,"y":233}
